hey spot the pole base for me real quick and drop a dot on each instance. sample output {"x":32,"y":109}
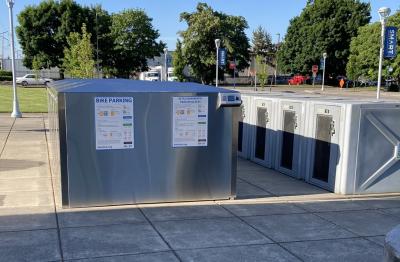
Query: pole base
{"x":16,"y":114}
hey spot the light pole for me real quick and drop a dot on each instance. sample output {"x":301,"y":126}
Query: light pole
{"x":165,"y":63}
{"x":217,"y":44}
{"x":97,"y":47}
{"x":384,"y":13}
{"x":324,"y":55}
{"x":15,"y":113}
{"x":276,"y":56}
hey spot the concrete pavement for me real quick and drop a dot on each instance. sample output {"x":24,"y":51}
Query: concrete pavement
{"x":275,"y":218}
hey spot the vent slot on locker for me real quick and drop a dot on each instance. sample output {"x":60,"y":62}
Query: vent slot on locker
{"x":261,"y":132}
{"x":289,"y":126}
{"x":322,"y":148}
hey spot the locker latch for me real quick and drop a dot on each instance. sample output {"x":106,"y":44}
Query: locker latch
{"x":243,"y":112}
{"x":332,"y":128}
{"x":266,"y":117}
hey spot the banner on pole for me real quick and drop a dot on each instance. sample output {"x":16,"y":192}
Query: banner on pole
{"x":389,"y":48}
{"x":222,"y":56}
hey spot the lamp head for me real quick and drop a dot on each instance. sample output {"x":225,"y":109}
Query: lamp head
{"x":384,"y":12}
{"x":10,"y":3}
{"x":325,"y":55}
{"x":165,"y":50}
{"x":217,"y":43}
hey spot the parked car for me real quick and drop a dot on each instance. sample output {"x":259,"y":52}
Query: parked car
{"x":298,"y":80}
{"x":32,"y":79}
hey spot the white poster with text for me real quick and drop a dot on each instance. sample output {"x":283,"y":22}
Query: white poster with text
{"x":114,"y":123}
{"x":190,"y":121}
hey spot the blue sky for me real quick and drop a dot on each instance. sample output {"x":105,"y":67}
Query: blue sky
{"x":273,"y":15}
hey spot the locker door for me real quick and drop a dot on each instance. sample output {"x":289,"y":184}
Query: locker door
{"x":289,"y":144}
{"x":262,"y":133}
{"x":325,"y":147}
{"x":288,"y":136}
{"x":243,"y":129}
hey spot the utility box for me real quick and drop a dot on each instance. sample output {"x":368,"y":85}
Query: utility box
{"x":125,"y":142}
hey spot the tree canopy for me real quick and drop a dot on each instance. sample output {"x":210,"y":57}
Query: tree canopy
{"x":323,"y":26}
{"x":124,"y":40}
{"x":134,"y":40}
{"x":78,"y":57}
{"x":198,"y":40}
{"x":364,"y":52}
{"x":178,"y":62}
{"x":262,"y":45}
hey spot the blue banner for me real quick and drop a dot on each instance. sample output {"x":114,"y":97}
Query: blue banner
{"x":389,"y":48}
{"x":222,"y":56}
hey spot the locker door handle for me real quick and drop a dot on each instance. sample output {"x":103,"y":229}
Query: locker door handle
{"x":295,"y":122}
{"x":266,"y":117}
{"x":332,"y":128}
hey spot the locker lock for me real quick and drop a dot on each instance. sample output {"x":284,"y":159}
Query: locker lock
{"x":243,"y":112}
{"x":266,"y":117}
{"x":332,"y":128}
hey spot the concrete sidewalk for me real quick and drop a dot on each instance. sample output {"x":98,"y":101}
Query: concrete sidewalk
{"x":275,"y":218}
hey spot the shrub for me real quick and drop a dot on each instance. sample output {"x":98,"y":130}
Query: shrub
{"x":5,"y":73}
{"x":5,"y":78}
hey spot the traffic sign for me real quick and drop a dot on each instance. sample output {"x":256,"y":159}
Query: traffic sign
{"x":315,"y":69}
{"x":232,"y":65}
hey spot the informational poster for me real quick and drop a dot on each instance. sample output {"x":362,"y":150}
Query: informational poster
{"x":114,"y":123}
{"x":190,"y":121}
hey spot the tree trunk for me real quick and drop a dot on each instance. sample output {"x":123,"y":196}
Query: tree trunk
{"x":61,"y":74}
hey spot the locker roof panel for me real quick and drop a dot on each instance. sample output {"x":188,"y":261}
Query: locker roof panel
{"x":131,"y":86}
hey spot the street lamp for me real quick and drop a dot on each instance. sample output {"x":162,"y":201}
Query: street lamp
{"x":165,"y":64}
{"x":384,"y":13}
{"x":15,"y":113}
{"x":276,"y":56}
{"x":324,"y":55}
{"x":217,"y":44}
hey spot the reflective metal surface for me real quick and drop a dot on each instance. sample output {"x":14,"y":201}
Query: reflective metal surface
{"x":153,"y":171}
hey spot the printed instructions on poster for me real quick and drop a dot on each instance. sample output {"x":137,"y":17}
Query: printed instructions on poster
{"x":190,"y":121}
{"x":114,"y":123}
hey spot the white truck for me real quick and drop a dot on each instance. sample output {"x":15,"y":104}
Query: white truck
{"x":171,"y":76}
{"x":152,"y":75}
{"x":157,"y":73}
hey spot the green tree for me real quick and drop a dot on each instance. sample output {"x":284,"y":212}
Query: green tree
{"x":179,"y":62}
{"x":262,"y":73}
{"x":134,"y":41}
{"x":204,"y":26}
{"x":78,"y":57}
{"x":262,"y":45}
{"x":364,"y":52}
{"x":43,"y":30}
{"x":324,"y":26}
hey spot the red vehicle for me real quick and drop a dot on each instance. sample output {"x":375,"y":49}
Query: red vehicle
{"x":298,"y":80}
